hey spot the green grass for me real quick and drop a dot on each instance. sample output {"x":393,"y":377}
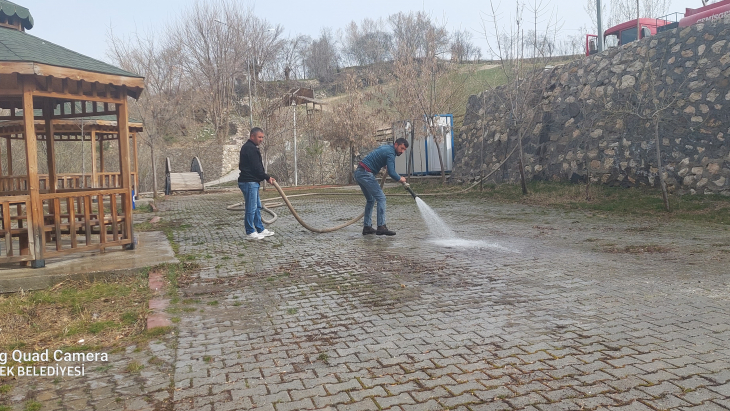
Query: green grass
{"x":99,"y":326}
{"x":32,"y":405}
{"x":130,"y":317}
{"x":77,"y":297}
{"x":638,"y":201}
{"x":134,"y":367}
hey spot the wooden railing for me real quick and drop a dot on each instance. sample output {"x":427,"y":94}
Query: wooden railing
{"x":17,"y":184}
{"x":14,"y":223}
{"x":84,"y":221}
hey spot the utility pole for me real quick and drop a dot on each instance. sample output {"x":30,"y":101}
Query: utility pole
{"x":294,"y":106}
{"x":638,"y":23}
{"x":250,"y":104}
{"x":600,"y":26}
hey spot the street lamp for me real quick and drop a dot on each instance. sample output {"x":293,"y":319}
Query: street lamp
{"x":294,"y":106}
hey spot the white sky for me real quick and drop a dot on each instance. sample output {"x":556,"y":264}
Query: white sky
{"x":83,"y":25}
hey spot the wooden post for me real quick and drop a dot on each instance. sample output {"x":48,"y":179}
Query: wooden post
{"x":136,"y":166}
{"x":123,"y":129}
{"x":101,"y":154}
{"x":94,"y":176}
{"x":50,"y":146}
{"x":1,"y":160}
{"x":35,"y":227}
{"x":10,"y":155}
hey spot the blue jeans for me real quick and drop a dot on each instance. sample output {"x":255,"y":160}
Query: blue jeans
{"x":253,"y":207}
{"x":372,"y":192}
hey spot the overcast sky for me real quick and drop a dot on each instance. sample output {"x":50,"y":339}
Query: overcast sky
{"x":83,"y":25}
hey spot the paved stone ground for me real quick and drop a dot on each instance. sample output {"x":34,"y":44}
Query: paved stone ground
{"x":549,"y":313}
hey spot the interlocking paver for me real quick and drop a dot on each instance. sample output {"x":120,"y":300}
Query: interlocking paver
{"x":541,"y":319}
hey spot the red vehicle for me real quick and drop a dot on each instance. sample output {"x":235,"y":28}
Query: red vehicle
{"x":626,"y":32}
{"x":707,"y":13}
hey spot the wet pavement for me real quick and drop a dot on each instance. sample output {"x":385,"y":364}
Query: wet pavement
{"x":537,"y":309}
{"x":152,"y":249}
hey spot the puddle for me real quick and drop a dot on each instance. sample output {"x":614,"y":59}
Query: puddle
{"x":461,"y":243}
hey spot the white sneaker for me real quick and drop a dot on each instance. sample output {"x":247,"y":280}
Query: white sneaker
{"x":254,"y":236}
{"x":266,"y":233}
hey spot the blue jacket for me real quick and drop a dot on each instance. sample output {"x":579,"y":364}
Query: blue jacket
{"x":381,"y":157}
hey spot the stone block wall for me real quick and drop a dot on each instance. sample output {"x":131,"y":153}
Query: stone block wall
{"x":585,"y":122}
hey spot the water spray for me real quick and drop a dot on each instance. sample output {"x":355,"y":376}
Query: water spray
{"x":408,"y":188}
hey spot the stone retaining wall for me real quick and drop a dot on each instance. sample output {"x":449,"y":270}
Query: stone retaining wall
{"x":583,"y":126}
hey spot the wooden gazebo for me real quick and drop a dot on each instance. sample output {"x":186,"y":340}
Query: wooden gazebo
{"x":45,"y":91}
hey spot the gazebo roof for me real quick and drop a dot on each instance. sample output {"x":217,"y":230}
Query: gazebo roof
{"x":11,"y":9}
{"x":17,"y":46}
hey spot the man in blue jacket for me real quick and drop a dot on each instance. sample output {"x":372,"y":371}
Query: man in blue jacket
{"x":252,"y":173}
{"x":365,"y":176}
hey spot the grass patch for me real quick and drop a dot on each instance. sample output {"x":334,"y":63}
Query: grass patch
{"x":4,"y":389}
{"x":32,"y":405}
{"x":134,"y":367}
{"x":101,"y":313}
{"x":99,"y":326}
{"x":158,"y":332}
{"x":637,"y":201}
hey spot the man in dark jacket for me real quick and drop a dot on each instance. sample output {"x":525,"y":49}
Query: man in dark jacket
{"x":252,"y":173}
{"x":383,"y":156}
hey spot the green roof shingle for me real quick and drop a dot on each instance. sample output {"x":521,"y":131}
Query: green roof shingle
{"x":11,"y":9}
{"x":17,"y":46}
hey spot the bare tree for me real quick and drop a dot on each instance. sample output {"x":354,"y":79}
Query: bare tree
{"x":521,"y":94}
{"x":624,"y":10}
{"x":265,"y":44}
{"x":425,"y":81}
{"x":350,"y":124}
{"x":290,"y":58}
{"x":652,"y":99}
{"x":210,"y":38}
{"x":462,"y":47}
{"x":322,"y":57}
{"x":416,"y":36}
{"x":367,"y":43}
{"x":164,"y":102}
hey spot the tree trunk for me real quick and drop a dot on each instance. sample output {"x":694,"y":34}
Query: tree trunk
{"x":154,"y":171}
{"x":350,"y":176}
{"x":662,"y":183}
{"x":522,"y":166}
{"x":441,"y":161}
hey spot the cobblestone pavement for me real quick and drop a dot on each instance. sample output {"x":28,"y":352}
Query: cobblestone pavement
{"x":542,"y":310}
{"x":545,"y":315}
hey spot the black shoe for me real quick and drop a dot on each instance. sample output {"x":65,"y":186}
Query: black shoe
{"x":368,"y":230}
{"x":383,"y":230}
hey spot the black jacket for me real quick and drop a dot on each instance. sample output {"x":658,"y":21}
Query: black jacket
{"x":250,"y":164}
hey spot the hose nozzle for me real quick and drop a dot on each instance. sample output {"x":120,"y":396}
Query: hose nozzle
{"x":408,"y":188}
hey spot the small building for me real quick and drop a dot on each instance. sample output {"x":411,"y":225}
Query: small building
{"x":50,"y":96}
